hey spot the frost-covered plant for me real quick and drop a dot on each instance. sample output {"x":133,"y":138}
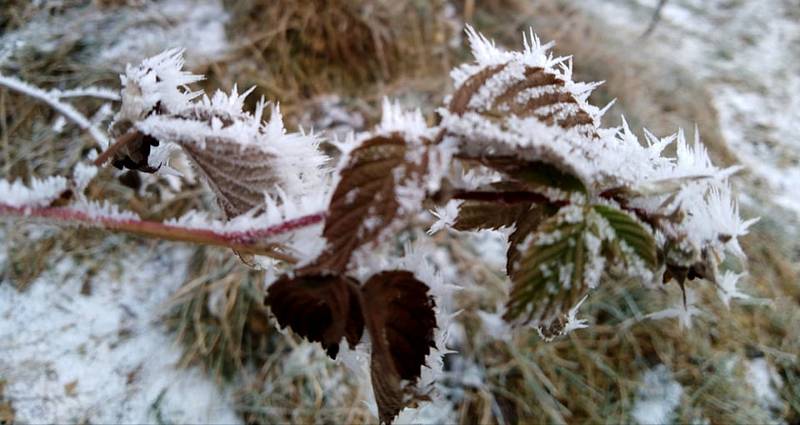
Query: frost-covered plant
{"x":517,"y":147}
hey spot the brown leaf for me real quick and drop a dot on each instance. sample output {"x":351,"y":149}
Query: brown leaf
{"x":466,"y":90}
{"x":238,"y":174}
{"x":320,"y":308}
{"x":476,"y":215}
{"x":364,"y":202}
{"x":400,"y":318}
{"x":551,"y":102}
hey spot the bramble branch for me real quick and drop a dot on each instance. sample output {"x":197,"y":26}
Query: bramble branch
{"x":246,"y":241}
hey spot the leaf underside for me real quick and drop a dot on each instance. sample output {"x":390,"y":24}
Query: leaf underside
{"x":477,"y":215}
{"x":394,"y":306}
{"x":537,"y":175}
{"x":401,"y":321}
{"x":364,"y":201}
{"x":239,"y":175}
{"x":320,"y":308}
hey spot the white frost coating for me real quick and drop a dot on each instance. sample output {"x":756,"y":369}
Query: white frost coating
{"x":158,"y":80}
{"x":605,"y":159}
{"x":416,"y":260}
{"x":103,"y":210}
{"x":683,"y":313}
{"x":82,"y":175}
{"x":728,"y":290}
{"x":658,"y":396}
{"x":40,"y":193}
{"x":573,"y":323}
{"x":715,"y":218}
{"x":593,"y":269}
{"x":157,"y":102}
{"x":445,"y":216}
{"x":103,"y":357}
{"x":395,"y":119}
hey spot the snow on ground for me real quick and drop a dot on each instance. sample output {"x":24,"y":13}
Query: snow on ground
{"x":658,"y":396}
{"x":102,"y":357}
{"x":747,"y":53}
{"x":114,"y":38}
{"x":765,"y":382}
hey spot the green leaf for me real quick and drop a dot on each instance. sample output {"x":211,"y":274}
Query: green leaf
{"x":554,"y":270}
{"x":633,"y":233}
{"x":527,"y":222}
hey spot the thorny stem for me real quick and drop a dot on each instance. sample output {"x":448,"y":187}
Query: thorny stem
{"x":246,"y":241}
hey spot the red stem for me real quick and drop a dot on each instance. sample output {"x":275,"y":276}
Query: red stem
{"x":249,"y":241}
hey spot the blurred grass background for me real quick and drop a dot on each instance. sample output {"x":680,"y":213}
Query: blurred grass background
{"x":320,"y":56}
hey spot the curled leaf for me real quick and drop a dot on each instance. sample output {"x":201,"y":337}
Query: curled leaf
{"x":537,"y":175}
{"x":401,"y":320}
{"x":320,"y":308}
{"x":396,"y":309}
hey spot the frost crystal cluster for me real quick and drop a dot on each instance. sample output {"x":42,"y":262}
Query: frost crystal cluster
{"x":517,"y":146}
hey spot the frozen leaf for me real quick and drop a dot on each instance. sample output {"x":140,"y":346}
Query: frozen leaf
{"x":365,"y":200}
{"x":537,"y":175}
{"x":553,"y":272}
{"x":632,"y":233}
{"x":477,"y":215}
{"x":320,"y":308}
{"x":525,"y":224}
{"x":401,"y":321}
{"x":239,"y":175}
{"x":397,"y":309}
{"x":464,"y":93}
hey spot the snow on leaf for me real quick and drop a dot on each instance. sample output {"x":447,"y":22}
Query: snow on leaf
{"x":394,"y":119}
{"x":364,"y":202}
{"x":633,"y":234}
{"x":551,"y":274}
{"x":241,"y":158}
